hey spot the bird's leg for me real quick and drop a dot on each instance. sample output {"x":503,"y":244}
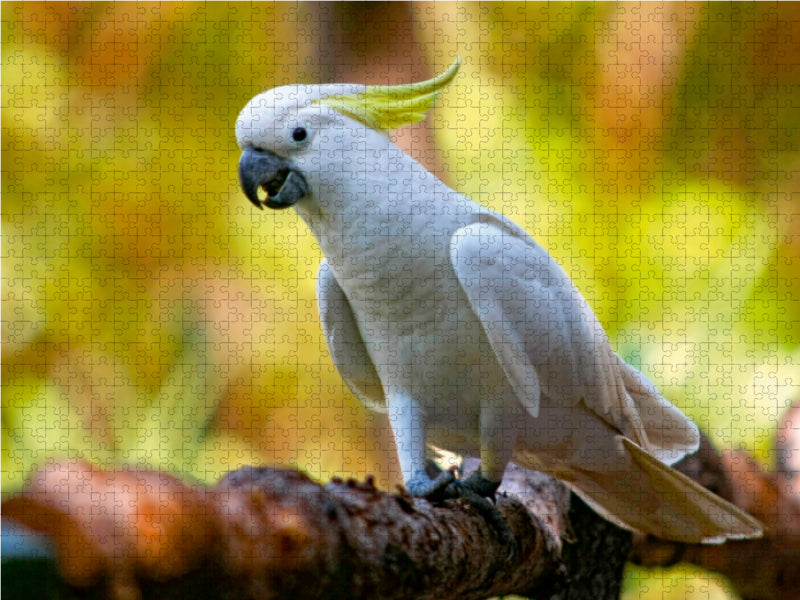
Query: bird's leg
{"x":407,"y":419}
{"x":498,"y":436}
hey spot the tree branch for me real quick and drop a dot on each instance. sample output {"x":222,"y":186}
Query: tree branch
{"x":268,"y":533}
{"x":354,"y":540}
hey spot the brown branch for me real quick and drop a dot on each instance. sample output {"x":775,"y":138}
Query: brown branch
{"x":268,"y":533}
{"x":766,"y":568}
{"x":352,"y":539}
{"x":110,"y":528}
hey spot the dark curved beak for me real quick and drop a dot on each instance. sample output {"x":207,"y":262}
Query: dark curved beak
{"x":282,"y":183}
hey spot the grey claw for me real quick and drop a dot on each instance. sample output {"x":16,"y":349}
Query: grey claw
{"x":480,"y":492}
{"x":434,"y":490}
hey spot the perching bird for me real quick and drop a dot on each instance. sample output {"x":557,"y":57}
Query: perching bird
{"x":454,"y":320}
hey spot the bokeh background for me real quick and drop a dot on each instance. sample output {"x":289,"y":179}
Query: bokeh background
{"x":152,"y":316}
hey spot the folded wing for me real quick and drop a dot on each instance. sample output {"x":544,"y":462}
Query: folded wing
{"x":345,"y":343}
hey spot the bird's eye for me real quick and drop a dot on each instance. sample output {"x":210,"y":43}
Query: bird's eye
{"x":299,"y":134}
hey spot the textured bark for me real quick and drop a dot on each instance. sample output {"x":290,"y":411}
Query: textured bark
{"x":352,"y":540}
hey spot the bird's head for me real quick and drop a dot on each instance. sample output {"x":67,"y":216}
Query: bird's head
{"x":292,"y":135}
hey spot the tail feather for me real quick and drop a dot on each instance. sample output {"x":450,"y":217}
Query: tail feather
{"x":656,"y":499}
{"x":668,"y":434}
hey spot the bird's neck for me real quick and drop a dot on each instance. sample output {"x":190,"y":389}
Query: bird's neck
{"x":368,"y":205}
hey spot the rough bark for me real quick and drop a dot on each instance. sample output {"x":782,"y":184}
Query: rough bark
{"x":272,"y":533}
{"x":355,"y":541}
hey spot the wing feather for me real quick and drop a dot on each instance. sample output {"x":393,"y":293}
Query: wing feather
{"x":345,"y":343}
{"x":542,"y":330}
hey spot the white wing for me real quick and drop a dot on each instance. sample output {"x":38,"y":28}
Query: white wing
{"x":344,"y":340}
{"x":549,"y":341}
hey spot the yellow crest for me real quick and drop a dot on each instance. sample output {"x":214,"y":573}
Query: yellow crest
{"x":386,"y":107}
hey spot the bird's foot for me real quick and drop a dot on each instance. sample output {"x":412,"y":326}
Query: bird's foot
{"x":480,"y":493}
{"x":433,"y":489}
{"x":475,"y":489}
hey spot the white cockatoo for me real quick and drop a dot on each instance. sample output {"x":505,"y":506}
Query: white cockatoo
{"x":452,"y":319}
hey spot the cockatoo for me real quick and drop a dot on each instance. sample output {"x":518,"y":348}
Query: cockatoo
{"x":452,"y":319}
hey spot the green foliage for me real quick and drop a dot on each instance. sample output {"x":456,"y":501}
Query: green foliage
{"x":677,"y":583}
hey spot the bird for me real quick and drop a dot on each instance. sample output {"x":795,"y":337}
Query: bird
{"x":454,"y":321}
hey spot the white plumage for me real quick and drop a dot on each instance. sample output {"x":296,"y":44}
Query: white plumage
{"x":455,"y":321}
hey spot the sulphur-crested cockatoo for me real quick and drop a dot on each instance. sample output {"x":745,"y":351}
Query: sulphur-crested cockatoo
{"x":454,"y":320}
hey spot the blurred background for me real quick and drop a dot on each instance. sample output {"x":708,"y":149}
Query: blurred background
{"x":152,"y":316}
